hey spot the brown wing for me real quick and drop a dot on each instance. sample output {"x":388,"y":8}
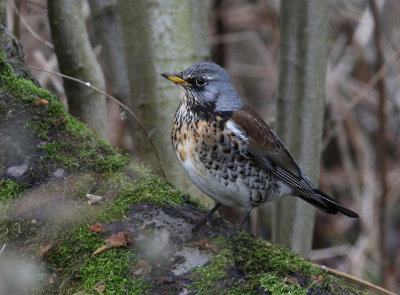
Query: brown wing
{"x":267,"y":151}
{"x":265,"y":146}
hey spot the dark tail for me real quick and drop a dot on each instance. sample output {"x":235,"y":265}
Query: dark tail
{"x":325,"y":203}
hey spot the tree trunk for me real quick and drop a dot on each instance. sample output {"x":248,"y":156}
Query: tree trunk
{"x":161,"y":37}
{"x":300,"y":105}
{"x":108,"y":33}
{"x":76,"y":58}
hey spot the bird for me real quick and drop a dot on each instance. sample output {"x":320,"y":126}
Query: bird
{"x":229,"y":152}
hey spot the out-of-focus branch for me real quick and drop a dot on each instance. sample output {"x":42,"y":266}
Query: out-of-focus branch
{"x":76,"y":58}
{"x":381,"y":149}
{"x":28,"y":27}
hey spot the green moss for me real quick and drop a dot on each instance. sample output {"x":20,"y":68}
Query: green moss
{"x":276,"y":285}
{"x":10,"y":190}
{"x":262,"y":266}
{"x":110,"y":269}
{"x":214,"y":272}
{"x":11,"y":231}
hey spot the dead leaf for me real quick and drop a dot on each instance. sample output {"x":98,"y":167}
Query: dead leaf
{"x":96,"y":228}
{"x":2,"y":181}
{"x":206,"y":245}
{"x":45,"y":250}
{"x":142,"y":267}
{"x":101,"y":249}
{"x":121,"y":239}
{"x":41,"y":102}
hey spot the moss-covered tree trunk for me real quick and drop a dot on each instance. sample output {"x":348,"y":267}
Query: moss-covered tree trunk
{"x":161,"y":36}
{"x":76,"y":58}
{"x":300,"y":105}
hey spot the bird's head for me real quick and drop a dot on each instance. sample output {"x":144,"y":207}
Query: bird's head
{"x":206,"y":85}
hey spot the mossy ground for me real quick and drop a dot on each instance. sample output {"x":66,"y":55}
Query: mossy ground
{"x":243,"y":265}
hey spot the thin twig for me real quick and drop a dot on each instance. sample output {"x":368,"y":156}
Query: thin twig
{"x":381,"y":149}
{"x":360,"y":282}
{"x":148,"y":135}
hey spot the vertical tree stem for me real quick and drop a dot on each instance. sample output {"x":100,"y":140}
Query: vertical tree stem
{"x":381,"y":148}
{"x":300,"y":105}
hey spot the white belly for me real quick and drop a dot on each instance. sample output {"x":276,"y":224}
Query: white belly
{"x":232,"y":194}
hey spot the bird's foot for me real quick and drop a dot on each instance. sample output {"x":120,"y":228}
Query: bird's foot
{"x":239,"y":226}
{"x":233,"y":232}
{"x":199,"y":224}
{"x":206,"y":219}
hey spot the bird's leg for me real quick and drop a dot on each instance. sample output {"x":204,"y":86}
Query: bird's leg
{"x":243,"y":219}
{"x":206,"y":219}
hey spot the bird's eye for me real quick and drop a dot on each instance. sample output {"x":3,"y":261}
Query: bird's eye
{"x":200,"y":81}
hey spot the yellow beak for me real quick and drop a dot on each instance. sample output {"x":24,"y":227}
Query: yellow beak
{"x":176,"y":78}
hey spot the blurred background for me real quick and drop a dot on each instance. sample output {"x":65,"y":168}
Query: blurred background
{"x":360,"y":145}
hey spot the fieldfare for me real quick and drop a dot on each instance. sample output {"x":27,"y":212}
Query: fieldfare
{"x":229,"y":152}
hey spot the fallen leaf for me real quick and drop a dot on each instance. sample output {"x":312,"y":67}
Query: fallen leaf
{"x":320,"y":278}
{"x":45,"y":250}
{"x":41,"y":102}
{"x":206,"y":245}
{"x":96,"y":228}
{"x":142,"y":267}
{"x":2,"y":181}
{"x":101,"y":249}
{"x":121,"y":239}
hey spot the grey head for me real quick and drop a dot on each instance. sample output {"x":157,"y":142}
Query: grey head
{"x":207,"y":84}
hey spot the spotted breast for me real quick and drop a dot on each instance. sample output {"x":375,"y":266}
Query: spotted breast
{"x":210,"y":149}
